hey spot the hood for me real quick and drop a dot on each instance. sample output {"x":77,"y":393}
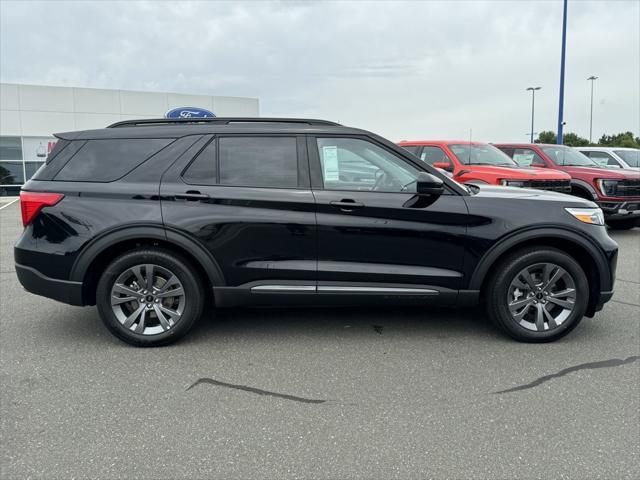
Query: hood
{"x":518,"y":173}
{"x":612,"y":173}
{"x":516,"y":193}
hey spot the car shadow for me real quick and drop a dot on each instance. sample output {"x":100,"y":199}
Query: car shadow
{"x":327,"y":323}
{"x":83,"y":325}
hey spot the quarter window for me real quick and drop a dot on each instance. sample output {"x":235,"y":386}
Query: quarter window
{"x":203,"y":170}
{"x":258,"y":161}
{"x":108,"y":160}
{"x":354,"y":164}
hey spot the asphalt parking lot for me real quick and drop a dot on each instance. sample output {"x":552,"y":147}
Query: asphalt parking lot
{"x":325,"y":393}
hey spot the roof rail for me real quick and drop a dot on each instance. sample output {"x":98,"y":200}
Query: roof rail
{"x":219,"y":120}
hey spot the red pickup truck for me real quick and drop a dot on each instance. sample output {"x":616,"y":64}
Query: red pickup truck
{"x":476,"y":162}
{"x":617,"y":192}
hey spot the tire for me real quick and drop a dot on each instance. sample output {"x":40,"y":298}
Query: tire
{"x":504,"y":286}
{"x":149,"y":318}
{"x":624,"y":224}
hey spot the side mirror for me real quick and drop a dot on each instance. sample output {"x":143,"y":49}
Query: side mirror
{"x":428,"y":184}
{"x":443,"y":166}
{"x":539,"y":165}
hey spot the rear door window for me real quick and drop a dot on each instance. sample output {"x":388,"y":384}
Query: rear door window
{"x":109,"y":160}
{"x":258,"y":161}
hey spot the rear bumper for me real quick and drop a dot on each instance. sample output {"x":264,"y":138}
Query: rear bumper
{"x":64,"y":291}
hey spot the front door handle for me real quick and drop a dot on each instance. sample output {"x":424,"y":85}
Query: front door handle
{"x":346,"y":204}
{"x":192,"y":195}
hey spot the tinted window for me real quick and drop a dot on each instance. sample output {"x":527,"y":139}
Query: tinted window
{"x":202,"y":170}
{"x":603,"y":159}
{"x":632,"y":157}
{"x":258,"y":161}
{"x":354,"y":164}
{"x":108,"y":160}
{"x":411,"y":148}
{"x":433,"y":155}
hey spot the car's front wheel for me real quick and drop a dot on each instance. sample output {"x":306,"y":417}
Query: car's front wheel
{"x":537,"y":294}
{"x":149,"y":297}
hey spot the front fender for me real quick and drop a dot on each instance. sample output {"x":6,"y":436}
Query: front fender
{"x":536,"y":233}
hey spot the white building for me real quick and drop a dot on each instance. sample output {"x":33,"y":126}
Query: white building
{"x":31,"y":114}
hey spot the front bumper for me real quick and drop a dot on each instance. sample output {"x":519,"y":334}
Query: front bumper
{"x":618,"y":210}
{"x":65,"y":291}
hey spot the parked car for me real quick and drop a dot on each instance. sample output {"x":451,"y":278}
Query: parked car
{"x":613,"y":157}
{"x":617,"y":191}
{"x":482,"y":163}
{"x":150,"y":220}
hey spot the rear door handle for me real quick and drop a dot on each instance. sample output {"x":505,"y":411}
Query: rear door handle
{"x":192,"y":195}
{"x":346,"y":205}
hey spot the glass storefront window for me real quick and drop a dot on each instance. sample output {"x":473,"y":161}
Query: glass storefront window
{"x":11,"y":173}
{"x":10,"y":148}
{"x":31,"y":168}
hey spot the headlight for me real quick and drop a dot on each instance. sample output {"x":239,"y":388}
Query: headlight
{"x":513,"y":183}
{"x":608,"y":187}
{"x":593,"y":216}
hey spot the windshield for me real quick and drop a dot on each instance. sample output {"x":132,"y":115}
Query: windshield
{"x":481,"y":155}
{"x":632,"y":157}
{"x":568,"y":157}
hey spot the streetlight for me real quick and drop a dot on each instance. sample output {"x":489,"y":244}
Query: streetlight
{"x":592,"y":78}
{"x":562,"y":62}
{"x":533,"y":105}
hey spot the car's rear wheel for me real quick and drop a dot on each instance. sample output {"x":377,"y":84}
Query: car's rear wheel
{"x":150,"y":297}
{"x":537,"y":295}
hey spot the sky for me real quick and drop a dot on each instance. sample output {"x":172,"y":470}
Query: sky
{"x":405,"y":70}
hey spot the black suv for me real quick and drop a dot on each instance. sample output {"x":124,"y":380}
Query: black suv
{"x":151,"y":219}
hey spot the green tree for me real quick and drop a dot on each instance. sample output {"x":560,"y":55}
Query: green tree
{"x":546,"y":137}
{"x":574,"y":140}
{"x":624,"y":139}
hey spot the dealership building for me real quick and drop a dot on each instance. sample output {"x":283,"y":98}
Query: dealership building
{"x":31,"y":114}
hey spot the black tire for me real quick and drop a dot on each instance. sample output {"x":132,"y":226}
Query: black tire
{"x":173,"y":263}
{"x":624,"y":224}
{"x":498,"y":287}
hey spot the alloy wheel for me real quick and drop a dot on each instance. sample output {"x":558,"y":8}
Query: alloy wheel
{"x":148,"y":299}
{"x":541,"y":297}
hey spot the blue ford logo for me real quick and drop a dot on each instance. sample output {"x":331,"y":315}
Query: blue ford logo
{"x":189,"y":112}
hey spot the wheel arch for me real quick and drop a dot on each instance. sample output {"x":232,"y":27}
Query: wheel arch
{"x":95,"y":256}
{"x":585,"y":252}
{"x":587,"y":190}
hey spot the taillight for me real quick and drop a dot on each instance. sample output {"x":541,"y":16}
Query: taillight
{"x":32,"y":202}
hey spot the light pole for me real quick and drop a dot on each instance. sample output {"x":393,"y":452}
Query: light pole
{"x":533,"y":106}
{"x":561,"y":102}
{"x":592,"y":78}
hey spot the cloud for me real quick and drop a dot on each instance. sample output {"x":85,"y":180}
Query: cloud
{"x":403,"y":69}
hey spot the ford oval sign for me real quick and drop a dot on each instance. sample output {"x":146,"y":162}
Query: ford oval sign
{"x":189,"y":112}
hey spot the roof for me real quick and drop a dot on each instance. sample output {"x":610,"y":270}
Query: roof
{"x":171,"y":128}
{"x":606,"y":147}
{"x":528,"y":145}
{"x":440,"y":142}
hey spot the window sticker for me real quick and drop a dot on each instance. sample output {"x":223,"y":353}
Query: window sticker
{"x":330,"y":163}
